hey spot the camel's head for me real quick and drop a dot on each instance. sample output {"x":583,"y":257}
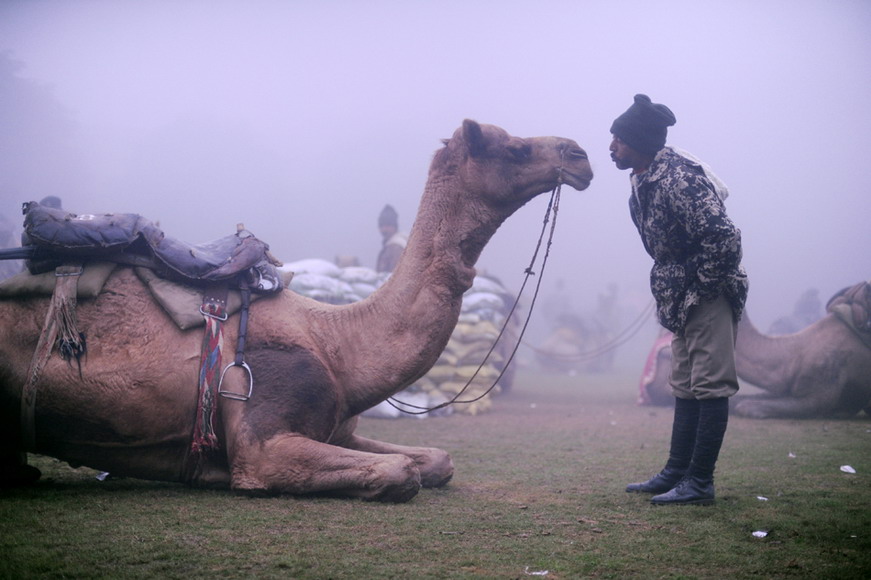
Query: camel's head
{"x":508,"y":171}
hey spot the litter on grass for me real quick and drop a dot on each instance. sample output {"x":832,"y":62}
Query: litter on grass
{"x":760,"y":533}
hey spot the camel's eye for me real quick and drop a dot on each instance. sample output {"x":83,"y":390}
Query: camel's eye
{"x":520,"y":151}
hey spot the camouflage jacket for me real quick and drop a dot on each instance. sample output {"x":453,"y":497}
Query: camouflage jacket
{"x":696,"y":249}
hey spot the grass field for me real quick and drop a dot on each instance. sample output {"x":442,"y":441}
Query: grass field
{"x":538,"y":492}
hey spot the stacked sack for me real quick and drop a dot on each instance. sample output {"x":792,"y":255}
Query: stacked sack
{"x":483,"y":314}
{"x":326,"y":282}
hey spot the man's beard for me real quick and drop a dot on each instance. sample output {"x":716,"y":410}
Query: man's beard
{"x":620,"y":163}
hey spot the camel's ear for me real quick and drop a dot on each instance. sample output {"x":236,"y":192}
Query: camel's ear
{"x":474,"y":138}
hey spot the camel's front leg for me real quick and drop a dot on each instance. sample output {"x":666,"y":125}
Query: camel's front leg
{"x":767,"y":407}
{"x":290,"y":463}
{"x":436,"y":467}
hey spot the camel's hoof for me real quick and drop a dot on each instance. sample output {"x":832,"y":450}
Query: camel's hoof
{"x":395,"y":485}
{"x":439,"y":472}
{"x":430,"y":483}
{"x":399,"y":492}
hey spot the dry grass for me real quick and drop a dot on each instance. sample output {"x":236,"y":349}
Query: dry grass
{"x":539,"y":487}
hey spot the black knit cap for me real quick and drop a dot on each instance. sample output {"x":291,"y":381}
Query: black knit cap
{"x":644,"y":125}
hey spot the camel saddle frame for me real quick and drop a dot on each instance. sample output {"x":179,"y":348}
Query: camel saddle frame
{"x":61,"y":241}
{"x":52,"y":236}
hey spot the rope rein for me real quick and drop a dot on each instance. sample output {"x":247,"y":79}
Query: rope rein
{"x":552,"y":206}
{"x":620,"y":339}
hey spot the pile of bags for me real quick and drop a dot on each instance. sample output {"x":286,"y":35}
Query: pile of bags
{"x":484,"y":311}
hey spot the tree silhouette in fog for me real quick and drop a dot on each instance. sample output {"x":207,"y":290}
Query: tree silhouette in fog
{"x":39,"y":153}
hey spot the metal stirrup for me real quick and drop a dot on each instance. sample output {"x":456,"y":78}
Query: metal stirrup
{"x":230,"y":394}
{"x":240,"y":352}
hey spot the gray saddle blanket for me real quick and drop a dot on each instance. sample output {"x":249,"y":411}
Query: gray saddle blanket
{"x":180,"y":301}
{"x":58,"y":236}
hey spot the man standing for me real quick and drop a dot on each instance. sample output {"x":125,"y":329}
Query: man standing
{"x":700,"y":288}
{"x":393,"y":242}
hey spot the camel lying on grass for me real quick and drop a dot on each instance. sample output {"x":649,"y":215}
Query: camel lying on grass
{"x":823,"y":370}
{"x":130,"y":410}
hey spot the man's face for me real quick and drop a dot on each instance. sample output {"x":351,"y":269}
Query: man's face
{"x":624,"y":156}
{"x":387,"y":231}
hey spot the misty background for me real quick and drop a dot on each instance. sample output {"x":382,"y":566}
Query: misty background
{"x":301,"y":119}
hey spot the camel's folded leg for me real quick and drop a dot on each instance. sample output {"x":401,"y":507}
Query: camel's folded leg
{"x":764,"y":407}
{"x":436,"y":467}
{"x":289,"y":463}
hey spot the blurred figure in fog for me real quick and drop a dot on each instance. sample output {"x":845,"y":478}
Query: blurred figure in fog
{"x":578,"y":342}
{"x":560,"y":350}
{"x":51,"y":201}
{"x":558,"y":304}
{"x":606,"y":319}
{"x":392,"y":241}
{"x":808,"y":309}
{"x":700,"y":289}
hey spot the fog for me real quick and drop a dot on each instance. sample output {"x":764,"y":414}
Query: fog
{"x":301,"y":119}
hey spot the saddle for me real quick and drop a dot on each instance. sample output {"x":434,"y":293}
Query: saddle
{"x":53,"y":237}
{"x":63,"y":242}
{"x":852,"y":305}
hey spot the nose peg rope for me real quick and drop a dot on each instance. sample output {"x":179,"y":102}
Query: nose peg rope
{"x":552,"y":206}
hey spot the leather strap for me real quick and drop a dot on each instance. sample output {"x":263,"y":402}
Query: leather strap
{"x":214,"y":309}
{"x":67,"y":278}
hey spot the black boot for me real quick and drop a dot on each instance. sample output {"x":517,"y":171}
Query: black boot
{"x":683,"y":439}
{"x":697,"y":486}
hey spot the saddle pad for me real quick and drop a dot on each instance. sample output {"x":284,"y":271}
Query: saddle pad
{"x":24,"y":283}
{"x":183,"y":303}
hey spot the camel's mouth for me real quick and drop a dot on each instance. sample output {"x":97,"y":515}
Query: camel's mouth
{"x":579,"y":182}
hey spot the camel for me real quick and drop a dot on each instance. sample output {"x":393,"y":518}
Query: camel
{"x":130,"y":409}
{"x":823,"y":370}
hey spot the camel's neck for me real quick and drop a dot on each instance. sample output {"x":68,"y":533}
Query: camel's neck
{"x":445,"y":242}
{"x":404,"y":326}
{"x":762,"y":359}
